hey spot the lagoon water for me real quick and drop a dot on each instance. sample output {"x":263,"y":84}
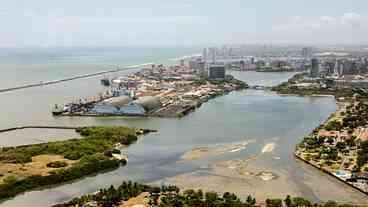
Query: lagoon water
{"x":261,"y":116}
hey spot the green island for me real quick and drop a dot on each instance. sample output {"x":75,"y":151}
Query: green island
{"x":130,"y":194}
{"x":297,"y":85}
{"x":28,"y":167}
{"x":339,"y":146}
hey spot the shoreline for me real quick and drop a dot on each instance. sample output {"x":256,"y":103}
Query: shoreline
{"x":44,"y":83}
{"x":328,"y":173}
{"x":41,"y":166}
{"x":37,"y":127}
{"x":340,"y":105}
{"x":88,"y":75}
{"x":178,"y":114}
{"x":178,"y":98}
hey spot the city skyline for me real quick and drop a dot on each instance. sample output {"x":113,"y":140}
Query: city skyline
{"x":185,"y":23}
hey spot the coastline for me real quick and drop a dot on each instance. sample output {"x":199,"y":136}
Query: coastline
{"x":327,"y":172}
{"x":298,"y":157}
{"x":179,"y":99}
{"x":341,"y":104}
{"x":88,"y":75}
{"x":64,"y":161}
{"x":178,"y":114}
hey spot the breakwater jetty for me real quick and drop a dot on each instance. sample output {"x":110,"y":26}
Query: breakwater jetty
{"x":44,"y":83}
{"x":37,"y":127}
{"x":139,"y":131}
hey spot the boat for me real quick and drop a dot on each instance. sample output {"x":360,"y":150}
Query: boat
{"x":56,"y":111}
{"x":105,"y":81}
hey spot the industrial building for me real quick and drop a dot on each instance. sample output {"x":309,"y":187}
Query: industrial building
{"x":124,"y":105}
{"x":149,"y":103}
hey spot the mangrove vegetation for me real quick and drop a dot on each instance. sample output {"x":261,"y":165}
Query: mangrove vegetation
{"x":28,"y":167}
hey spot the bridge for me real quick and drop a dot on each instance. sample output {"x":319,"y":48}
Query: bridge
{"x":260,"y":87}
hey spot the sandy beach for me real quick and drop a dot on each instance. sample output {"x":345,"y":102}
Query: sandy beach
{"x":269,"y":147}
{"x":216,"y":150}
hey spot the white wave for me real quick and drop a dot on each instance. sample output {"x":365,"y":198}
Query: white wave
{"x":237,"y":149}
{"x":185,"y":57}
{"x":140,"y":65}
{"x":269,"y":147}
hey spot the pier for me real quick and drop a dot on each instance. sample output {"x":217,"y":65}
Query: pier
{"x":37,"y":127}
{"x":63,"y":80}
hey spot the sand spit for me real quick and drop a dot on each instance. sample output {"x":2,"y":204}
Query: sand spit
{"x":240,"y":169}
{"x":269,"y":147}
{"x":238,"y":176}
{"x":204,"y":152}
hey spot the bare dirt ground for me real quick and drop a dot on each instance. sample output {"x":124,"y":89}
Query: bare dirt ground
{"x":139,"y":201}
{"x":36,"y":167}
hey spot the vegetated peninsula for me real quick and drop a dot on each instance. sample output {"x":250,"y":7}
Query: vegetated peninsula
{"x":27,"y":167}
{"x":130,"y":194}
{"x":339,"y":146}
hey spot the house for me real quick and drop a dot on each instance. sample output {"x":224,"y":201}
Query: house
{"x":337,"y":135}
{"x":361,"y":134}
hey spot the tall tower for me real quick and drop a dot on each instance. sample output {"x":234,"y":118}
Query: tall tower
{"x":336,"y":68}
{"x":204,"y":54}
{"x":306,"y":52}
{"x":314,"y":72}
{"x":213,"y":55}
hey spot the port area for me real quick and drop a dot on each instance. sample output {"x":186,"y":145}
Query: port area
{"x":155,"y":91}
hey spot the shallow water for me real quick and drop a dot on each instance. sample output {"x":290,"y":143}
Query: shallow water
{"x":237,"y":117}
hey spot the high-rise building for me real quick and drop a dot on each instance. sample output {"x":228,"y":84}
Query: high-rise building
{"x":306,"y":52}
{"x":201,"y":71}
{"x":212,"y":54}
{"x":216,"y":72}
{"x":340,"y":67}
{"x":349,"y":67}
{"x":182,"y":62}
{"x":194,"y":64}
{"x":252,"y":60}
{"x":314,"y":71}
{"x":205,"y":54}
{"x":242,"y":65}
{"x":330,"y":67}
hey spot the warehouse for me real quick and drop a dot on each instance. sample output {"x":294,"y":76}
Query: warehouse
{"x":122,"y":105}
{"x":149,"y":103}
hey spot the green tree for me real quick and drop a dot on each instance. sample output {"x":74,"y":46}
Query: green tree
{"x":330,"y":204}
{"x":273,"y":203}
{"x":287,"y":201}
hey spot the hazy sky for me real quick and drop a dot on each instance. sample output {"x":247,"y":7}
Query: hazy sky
{"x":184,"y":22}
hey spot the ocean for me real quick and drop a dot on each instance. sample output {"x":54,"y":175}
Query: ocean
{"x":32,"y":65}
